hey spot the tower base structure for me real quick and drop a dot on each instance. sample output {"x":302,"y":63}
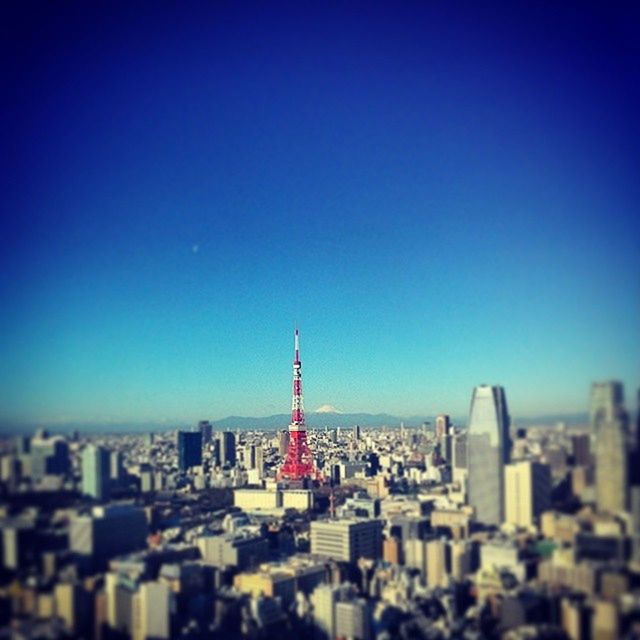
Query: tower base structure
{"x":298,"y":464}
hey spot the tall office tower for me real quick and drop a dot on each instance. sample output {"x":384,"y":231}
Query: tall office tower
{"x":609,"y":433}
{"x":488,"y":450}
{"x":249,"y":456}
{"x":189,"y":449}
{"x":298,"y":464}
{"x":227,"y":448}
{"x":259,"y":459}
{"x":356,"y":432}
{"x":443,"y":424}
{"x":206,"y":430}
{"x":527,"y":492}
{"x":606,"y":397}
{"x":347,"y":540}
{"x":215,"y":452}
{"x":116,"y":466}
{"x":444,"y":437}
{"x":96,"y":468}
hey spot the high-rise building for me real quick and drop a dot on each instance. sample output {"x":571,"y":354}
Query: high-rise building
{"x":227,"y":448}
{"x":356,"y":432}
{"x":96,"y":468}
{"x":444,"y":437}
{"x":527,"y":492}
{"x":606,"y":398}
{"x":611,"y":464}
{"x":189,"y":449}
{"x":116,"y":467}
{"x":443,"y":425}
{"x":206,"y":431}
{"x":609,"y":432}
{"x":489,"y":449}
{"x":347,"y":540}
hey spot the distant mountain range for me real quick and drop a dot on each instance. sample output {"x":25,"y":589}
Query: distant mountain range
{"x":315,"y":419}
{"x":333,"y":420}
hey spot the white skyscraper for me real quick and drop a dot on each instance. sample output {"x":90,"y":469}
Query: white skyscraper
{"x":527,"y":492}
{"x":488,"y":450}
{"x":96,"y":472}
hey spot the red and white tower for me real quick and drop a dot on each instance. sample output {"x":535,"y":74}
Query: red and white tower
{"x":298,"y":464}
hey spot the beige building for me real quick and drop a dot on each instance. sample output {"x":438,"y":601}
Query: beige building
{"x":460,"y":559}
{"x":527,"y":492}
{"x":71,"y":604}
{"x":151,"y":612}
{"x":300,"y":499}
{"x":436,"y":551}
{"x":392,"y":550}
{"x":605,"y":621}
{"x":256,"y":499}
{"x":456,"y":521}
{"x":272,"y":499}
{"x":300,"y":573}
{"x":611,"y":465}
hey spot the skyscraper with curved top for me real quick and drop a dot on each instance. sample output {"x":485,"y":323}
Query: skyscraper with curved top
{"x":488,"y":450}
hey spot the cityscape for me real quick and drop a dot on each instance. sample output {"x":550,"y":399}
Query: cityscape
{"x":434,"y":531}
{"x":320,"y":320}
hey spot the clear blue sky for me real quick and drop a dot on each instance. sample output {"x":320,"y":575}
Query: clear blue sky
{"x":438,"y":196}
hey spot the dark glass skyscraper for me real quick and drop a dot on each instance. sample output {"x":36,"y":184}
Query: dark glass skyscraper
{"x":488,"y":450}
{"x":189,"y":449}
{"x":227,"y":448}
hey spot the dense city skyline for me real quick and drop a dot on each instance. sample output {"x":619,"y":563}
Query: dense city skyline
{"x":439,"y":197}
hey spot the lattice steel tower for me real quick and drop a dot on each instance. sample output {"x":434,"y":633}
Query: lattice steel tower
{"x":298,"y":463}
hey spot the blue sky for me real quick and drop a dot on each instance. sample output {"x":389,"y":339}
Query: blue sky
{"x":438,"y":196}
